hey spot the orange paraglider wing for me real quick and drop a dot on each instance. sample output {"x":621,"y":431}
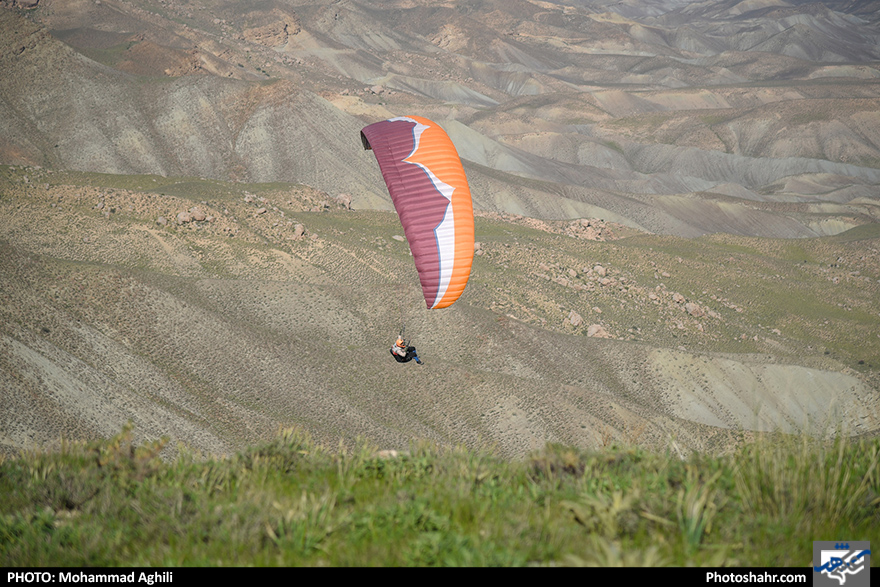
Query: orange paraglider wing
{"x":430,"y":192}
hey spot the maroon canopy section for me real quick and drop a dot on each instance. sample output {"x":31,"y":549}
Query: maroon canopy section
{"x":420,"y":204}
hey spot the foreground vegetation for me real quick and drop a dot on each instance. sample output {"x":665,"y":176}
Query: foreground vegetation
{"x":291,"y":502}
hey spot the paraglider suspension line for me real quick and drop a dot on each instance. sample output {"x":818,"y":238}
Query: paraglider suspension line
{"x":402,"y":306}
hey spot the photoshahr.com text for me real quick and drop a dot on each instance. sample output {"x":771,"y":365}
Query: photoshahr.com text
{"x":716,"y":577}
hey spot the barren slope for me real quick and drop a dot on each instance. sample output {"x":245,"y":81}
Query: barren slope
{"x":720,"y":126}
{"x":607,"y":106}
{"x":216,"y":332}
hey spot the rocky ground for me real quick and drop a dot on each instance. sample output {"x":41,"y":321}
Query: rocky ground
{"x":216,"y":312}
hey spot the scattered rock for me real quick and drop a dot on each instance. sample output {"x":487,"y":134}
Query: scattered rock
{"x":678,"y":298}
{"x":575,"y":319}
{"x":162,"y":221}
{"x":599,"y":270}
{"x":694,"y":310}
{"x":184,"y":217}
{"x":275,"y":33}
{"x":260,"y":211}
{"x":299,"y":230}
{"x":597,"y":331}
{"x":589,"y":228}
{"x":344,"y":200}
{"x":197,"y":214}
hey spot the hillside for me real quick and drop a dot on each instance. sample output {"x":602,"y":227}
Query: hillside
{"x":275,"y":306}
{"x":649,"y":114}
{"x":677,"y":210}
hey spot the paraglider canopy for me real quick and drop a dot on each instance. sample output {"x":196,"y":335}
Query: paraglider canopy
{"x":429,"y":189}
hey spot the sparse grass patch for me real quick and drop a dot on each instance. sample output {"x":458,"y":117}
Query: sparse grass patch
{"x":808,"y":117}
{"x":869,"y":162}
{"x":644,"y":123}
{"x":710,"y":119}
{"x":864,"y":231}
{"x":614,"y":145}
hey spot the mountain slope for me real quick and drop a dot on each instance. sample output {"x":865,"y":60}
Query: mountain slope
{"x":219,"y":331}
{"x":663,"y":98}
{"x":640,"y":172}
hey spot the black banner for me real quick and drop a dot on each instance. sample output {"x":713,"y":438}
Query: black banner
{"x":192,"y":576}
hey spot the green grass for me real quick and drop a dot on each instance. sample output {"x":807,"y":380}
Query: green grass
{"x":292,"y":502}
{"x":192,"y":188}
